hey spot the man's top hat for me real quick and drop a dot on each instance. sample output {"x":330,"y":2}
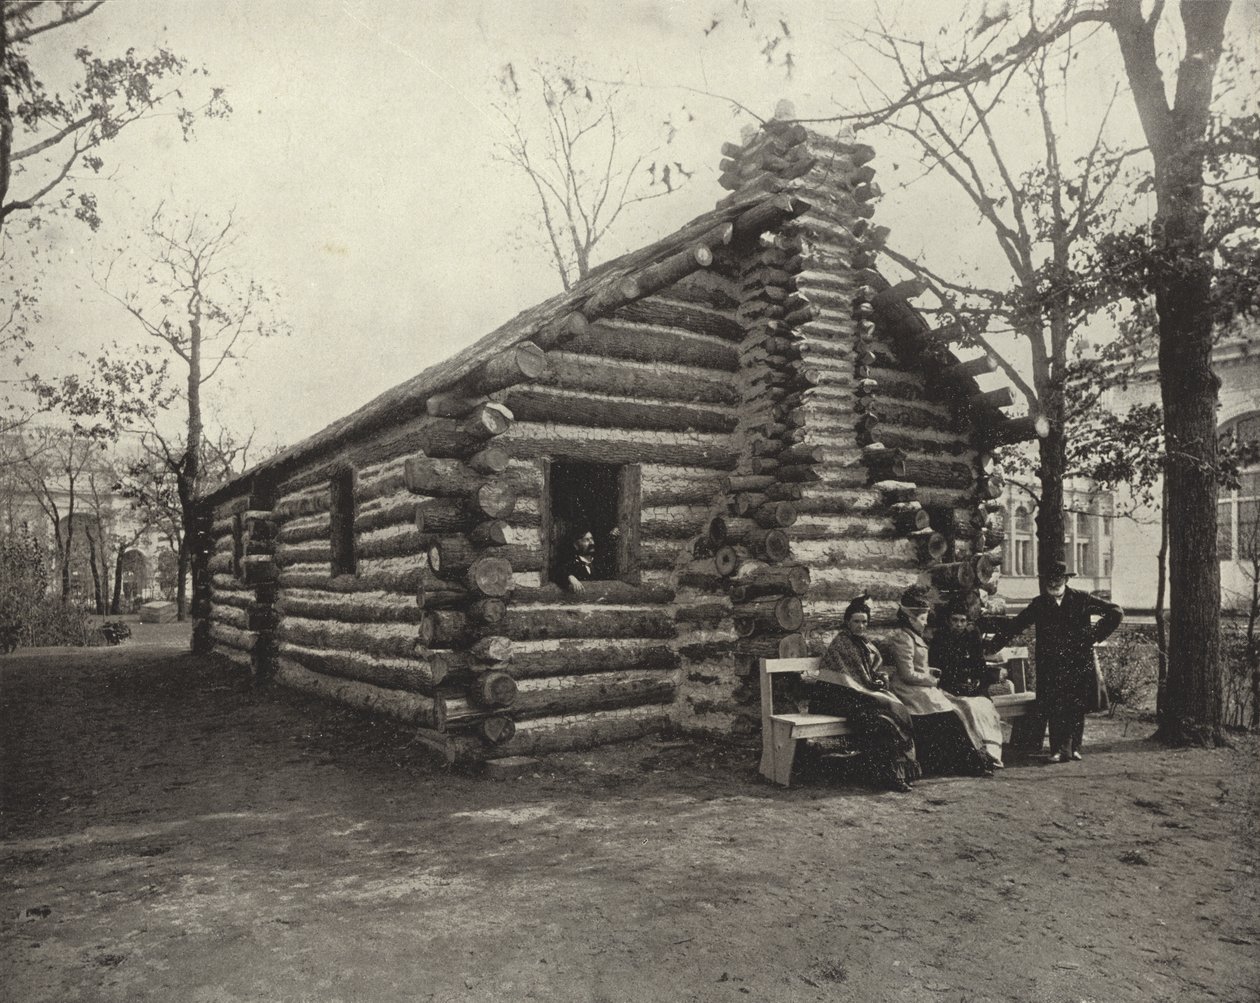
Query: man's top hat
{"x":1055,"y":571}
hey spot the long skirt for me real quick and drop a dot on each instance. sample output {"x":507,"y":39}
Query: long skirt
{"x":983,"y":724}
{"x":976,"y":715}
{"x":943,"y":745}
{"x":885,"y":726}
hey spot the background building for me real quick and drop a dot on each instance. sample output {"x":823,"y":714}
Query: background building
{"x":50,"y":481}
{"x":1236,"y":360}
{"x":1089,"y":539}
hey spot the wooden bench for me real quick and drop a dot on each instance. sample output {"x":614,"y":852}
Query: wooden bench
{"x":781,"y":732}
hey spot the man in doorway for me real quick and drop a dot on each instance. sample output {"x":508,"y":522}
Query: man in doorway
{"x":1066,"y":635}
{"x":583,"y":566}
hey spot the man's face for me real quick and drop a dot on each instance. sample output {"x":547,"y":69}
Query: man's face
{"x":957,"y":622}
{"x":585,"y":544}
{"x":1055,"y":587}
{"x":858,"y":623}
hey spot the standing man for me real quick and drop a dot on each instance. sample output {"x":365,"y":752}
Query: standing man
{"x":1066,"y":635}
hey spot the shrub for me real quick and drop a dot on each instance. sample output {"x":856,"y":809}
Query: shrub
{"x":28,"y":615}
{"x":55,"y":621}
{"x":1240,"y":675}
{"x":1130,"y":667}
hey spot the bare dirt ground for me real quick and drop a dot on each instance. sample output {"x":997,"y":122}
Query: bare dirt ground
{"x":171,"y":834}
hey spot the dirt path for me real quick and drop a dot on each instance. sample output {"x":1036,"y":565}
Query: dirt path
{"x":170,"y":835}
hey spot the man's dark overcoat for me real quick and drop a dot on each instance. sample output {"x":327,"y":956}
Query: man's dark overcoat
{"x":1066,"y":635}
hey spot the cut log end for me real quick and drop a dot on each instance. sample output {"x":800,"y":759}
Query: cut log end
{"x":494,"y":689}
{"x":726,"y":561}
{"x":491,"y":576}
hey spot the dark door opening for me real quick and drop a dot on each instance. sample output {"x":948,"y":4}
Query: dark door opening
{"x":597,"y":498}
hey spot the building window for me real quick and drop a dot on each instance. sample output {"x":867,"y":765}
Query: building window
{"x":1081,"y":545}
{"x":1238,"y":509}
{"x":341,"y":523}
{"x":602,"y":499}
{"x":1225,"y":530}
{"x":1023,"y":543}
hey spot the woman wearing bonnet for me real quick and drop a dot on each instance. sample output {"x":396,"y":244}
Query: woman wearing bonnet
{"x":858,"y":690}
{"x":952,"y":734}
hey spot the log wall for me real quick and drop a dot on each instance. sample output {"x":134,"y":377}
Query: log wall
{"x":839,"y":423}
{"x":233,"y":582}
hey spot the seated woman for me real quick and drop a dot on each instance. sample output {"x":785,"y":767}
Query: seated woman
{"x":857,"y":688}
{"x":952,"y":734}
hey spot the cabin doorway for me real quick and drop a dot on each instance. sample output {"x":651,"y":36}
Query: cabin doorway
{"x":597,"y":498}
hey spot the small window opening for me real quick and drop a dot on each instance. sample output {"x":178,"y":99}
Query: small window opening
{"x":601,"y":499}
{"x":341,"y":524}
{"x":238,"y":543}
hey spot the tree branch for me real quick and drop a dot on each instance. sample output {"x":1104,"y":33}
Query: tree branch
{"x":68,"y":16}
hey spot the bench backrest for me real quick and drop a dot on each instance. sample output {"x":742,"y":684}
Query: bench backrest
{"x":773,"y":666}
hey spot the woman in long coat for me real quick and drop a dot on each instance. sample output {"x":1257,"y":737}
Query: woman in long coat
{"x":857,"y":688}
{"x":952,"y":734}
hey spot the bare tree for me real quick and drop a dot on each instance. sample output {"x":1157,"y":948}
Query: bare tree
{"x":577,"y":160}
{"x":194,"y":305}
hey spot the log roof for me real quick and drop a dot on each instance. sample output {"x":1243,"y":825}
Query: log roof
{"x":607,"y":287}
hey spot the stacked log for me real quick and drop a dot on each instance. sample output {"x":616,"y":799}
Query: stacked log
{"x":878,"y":507}
{"x":643,"y":380}
{"x":428,"y":529}
{"x":235,"y":587}
{"x":471,"y":549}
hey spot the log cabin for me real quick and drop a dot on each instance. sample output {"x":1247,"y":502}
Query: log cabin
{"x":750,"y":420}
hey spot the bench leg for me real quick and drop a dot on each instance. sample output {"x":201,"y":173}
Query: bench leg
{"x":767,"y":751}
{"x":784,"y":753}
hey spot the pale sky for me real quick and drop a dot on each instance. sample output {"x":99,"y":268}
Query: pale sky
{"x":358,"y":162}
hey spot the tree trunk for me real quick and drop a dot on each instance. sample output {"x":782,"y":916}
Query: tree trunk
{"x":181,"y":585}
{"x":64,"y":546}
{"x":1053,"y":464}
{"x":1253,"y":645}
{"x":98,"y":598}
{"x":1181,"y":278}
{"x":188,"y":473}
{"x":1191,"y":709}
{"x":1190,"y":712}
{"x":1161,"y":622}
{"x":116,"y":604}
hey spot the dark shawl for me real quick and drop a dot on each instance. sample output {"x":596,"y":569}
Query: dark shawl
{"x":853,"y":685}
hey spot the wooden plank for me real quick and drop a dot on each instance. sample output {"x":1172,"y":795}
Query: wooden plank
{"x":629,"y":498}
{"x":773,"y":665}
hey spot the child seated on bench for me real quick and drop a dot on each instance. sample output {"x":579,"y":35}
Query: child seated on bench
{"x":957,"y":650}
{"x":858,"y":690}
